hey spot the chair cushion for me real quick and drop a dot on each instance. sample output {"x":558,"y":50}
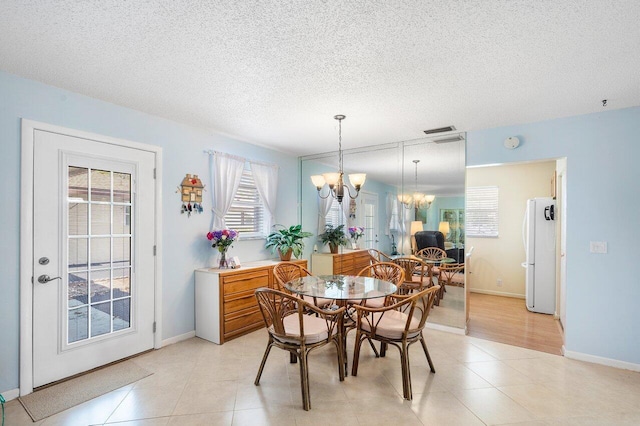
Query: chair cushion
{"x":376,"y":302}
{"x":315,"y":329}
{"x":392,"y":325}
{"x":319,"y":302}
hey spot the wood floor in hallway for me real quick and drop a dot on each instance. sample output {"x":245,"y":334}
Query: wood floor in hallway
{"x":507,"y":320}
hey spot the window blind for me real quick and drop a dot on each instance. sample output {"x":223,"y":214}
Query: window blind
{"x":482,"y":211}
{"x":246,"y":214}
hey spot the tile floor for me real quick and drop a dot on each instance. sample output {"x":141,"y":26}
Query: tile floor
{"x":477,"y":382}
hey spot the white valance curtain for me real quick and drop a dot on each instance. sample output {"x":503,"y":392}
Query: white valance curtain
{"x":265,"y":177}
{"x":346,"y":212}
{"x":391,"y":198}
{"x":225,"y":171}
{"x":324,"y":206}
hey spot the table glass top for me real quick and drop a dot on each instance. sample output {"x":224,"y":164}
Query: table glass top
{"x":341,"y":287}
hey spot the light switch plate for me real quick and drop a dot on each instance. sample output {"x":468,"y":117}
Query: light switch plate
{"x":598,"y":247}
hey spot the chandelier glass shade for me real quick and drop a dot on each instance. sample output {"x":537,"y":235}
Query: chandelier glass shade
{"x":335,"y":180}
{"x":417,"y":199}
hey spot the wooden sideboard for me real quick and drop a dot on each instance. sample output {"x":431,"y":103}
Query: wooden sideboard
{"x":349,"y":262}
{"x":225,"y":303}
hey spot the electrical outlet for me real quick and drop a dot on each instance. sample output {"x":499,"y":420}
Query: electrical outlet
{"x":499,"y":282}
{"x":598,"y":247}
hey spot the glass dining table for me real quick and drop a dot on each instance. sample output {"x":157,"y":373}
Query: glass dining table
{"x":343,"y":289}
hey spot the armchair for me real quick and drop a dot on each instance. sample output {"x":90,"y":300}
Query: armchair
{"x":400,"y":325}
{"x":292,"y":330}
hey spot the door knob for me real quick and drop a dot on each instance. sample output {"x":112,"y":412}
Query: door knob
{"x":43,"y":279}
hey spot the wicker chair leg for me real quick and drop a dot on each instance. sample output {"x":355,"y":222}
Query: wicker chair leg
{"x":406,"y":374}
{"x":375,"y":351}
{"x":426,"y":352}
{"x":304,"y":380}
{"x":383,"y":349}
{"x":356,"y":353}
{"x":264,"y":361}
{"x":341,"y":360}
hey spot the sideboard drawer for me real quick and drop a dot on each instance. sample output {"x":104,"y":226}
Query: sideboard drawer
{"x":226,"y":306}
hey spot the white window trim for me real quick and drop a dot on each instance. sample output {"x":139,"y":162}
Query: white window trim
{"x":263,"y":230}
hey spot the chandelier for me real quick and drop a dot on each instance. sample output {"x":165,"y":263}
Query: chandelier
{"x":418,"y":199}
{"x":336,"y":180}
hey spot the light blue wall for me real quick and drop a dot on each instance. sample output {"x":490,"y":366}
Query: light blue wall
{"x":603,"y":204}
{"x":185,"y":244}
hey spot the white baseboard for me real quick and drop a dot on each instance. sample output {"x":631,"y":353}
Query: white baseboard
{"x":448,"y":329}
{"x":10,"y":394}
{"x":496,"y":293}
{"x":178,"y":338}
{"x":601,"y":360}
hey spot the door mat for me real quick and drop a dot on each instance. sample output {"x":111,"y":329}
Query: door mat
{"x":62,"y":396}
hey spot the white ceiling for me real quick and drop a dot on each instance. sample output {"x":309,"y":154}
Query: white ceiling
{"x":276,"y":72}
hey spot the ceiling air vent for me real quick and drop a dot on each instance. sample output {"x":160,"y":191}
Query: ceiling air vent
{"x":455,"y":138}
{"x":439,"y":130}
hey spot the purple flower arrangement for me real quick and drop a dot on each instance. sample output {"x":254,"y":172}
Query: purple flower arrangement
{"x":222,"y":238}
{"x":356,"y":232}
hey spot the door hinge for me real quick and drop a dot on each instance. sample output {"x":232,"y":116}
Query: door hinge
{"x":154,"y":326}
{"x":154,"y":173}
{"x":155,"y":250}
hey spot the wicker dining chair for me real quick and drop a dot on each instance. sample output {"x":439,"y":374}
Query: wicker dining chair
{"x":432,"y":253}
{"x":416,"y":276}
{"x":400,"y":325}
{"x":387,"y":271}
{"x":378,"y":256}
{"x":284,"y":272}
{"x":292,"y":330}
{"x":448,"y":275}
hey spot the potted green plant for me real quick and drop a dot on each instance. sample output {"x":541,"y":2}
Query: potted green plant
{"x":335,"y":237}
{"x":287,"y":241}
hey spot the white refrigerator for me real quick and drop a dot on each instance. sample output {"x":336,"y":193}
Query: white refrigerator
{"x":539,"y":237}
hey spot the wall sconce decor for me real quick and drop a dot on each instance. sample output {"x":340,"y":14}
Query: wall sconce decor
{"x":191,"y":190}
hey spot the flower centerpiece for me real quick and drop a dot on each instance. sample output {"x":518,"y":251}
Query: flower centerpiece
{"x":356,"y":232}
{"x":222,"y":239}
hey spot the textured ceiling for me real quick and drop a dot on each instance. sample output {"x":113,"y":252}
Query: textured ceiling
{"x":276,"y":72}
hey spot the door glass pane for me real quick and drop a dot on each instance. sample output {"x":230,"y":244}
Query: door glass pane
{"x":100,"y":185}
{"x":77,"y":289}
{"x":78,"y":184}
{"x":100,"y":286}
{"x":78,"y":254}
{"x":121,"y":251}
{"x":100,"y":219}
{"x":121,"y":284}
{"x":78,"y":324}
{"x":78,"y":218}
{"x":102,"y":293}
{"x":100,"y":253}
{"x":121,"y":313}
{"x":100,"y":319}
{"x":121,"y":219}
{"x":121,"y":188}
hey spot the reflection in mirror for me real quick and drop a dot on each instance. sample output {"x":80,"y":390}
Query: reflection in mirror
{"x":397,"y":175}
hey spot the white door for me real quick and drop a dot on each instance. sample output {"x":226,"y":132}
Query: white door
{"x":368,"y":215}
{"x":93,"y":227}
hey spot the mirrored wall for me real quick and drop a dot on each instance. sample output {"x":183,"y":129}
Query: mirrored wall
{"x":398,"y":174}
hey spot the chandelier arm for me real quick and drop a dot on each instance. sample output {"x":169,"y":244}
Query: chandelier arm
{"x":326,"y":196}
